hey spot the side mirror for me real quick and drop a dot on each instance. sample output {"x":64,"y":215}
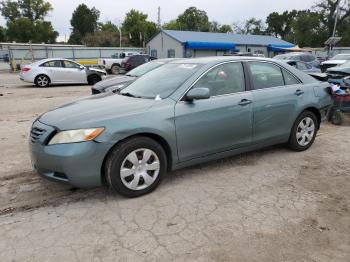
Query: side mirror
{"x":82,"y":67}
{"x":198,"y":94}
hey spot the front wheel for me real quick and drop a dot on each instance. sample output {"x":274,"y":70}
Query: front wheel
{"x":93,"y":79}
{"x":304,"y":131}
{"x":135,"y":167}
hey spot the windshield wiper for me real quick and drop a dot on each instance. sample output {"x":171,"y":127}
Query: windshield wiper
{"x":129,"y":94}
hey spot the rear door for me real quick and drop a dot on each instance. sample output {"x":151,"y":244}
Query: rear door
{"x":54,"y":70}
{"x":220,"y":123}
{"x":277,"y":94}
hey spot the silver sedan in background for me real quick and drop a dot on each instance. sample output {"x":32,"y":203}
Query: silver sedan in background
{"x":60,"y":71}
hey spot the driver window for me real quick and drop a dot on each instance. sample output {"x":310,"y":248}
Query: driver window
{"x":69,"y":64}
{"x":224,"y":79}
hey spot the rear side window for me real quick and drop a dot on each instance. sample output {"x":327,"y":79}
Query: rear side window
{"x":289,"y":79}
{"x":56,"y":63}
{"x":224,"y":79}
{"x":265,"y":75}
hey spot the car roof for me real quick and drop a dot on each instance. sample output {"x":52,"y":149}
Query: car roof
{"x":218,"y":59}
{"x":50,"y":59}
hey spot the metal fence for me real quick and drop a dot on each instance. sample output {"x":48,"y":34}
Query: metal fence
{"x":20,"y":54}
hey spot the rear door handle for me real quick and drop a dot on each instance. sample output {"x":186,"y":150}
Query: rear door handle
{"x":299,"y":92}
{"x":245,"y":102}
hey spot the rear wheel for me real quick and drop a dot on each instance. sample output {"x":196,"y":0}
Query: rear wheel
{"x":135,"y":167}
{"x":304,"y":131}
{"x":337,"y":117}
{"x":42,"y":81}
{"x":115,"y":69}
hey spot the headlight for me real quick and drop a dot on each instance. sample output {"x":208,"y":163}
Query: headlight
{"x":74,"y":136}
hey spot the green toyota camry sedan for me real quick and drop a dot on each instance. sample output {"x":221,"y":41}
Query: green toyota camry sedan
{"x":183,"y":113}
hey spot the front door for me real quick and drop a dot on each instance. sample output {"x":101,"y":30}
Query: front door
{"x":217,"y":124}
{"x":74,"y":73}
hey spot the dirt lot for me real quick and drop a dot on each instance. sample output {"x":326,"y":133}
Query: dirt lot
{"x":271,"y":205}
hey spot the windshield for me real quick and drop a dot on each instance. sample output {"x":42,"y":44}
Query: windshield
{"x":341,"y":57}
{"x":281,"y":57}
{"x":145,"y":68}
{"x":161,"y":82}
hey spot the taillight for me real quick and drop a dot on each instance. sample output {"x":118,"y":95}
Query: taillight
{"x":25,"y":69}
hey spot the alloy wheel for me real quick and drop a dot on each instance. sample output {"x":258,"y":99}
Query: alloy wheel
{"x":305,"y":131}
{"x":140,"y":169}
{"x":42,"y":81}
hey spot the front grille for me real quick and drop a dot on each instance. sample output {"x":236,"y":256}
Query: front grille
{"x":36,"y":133}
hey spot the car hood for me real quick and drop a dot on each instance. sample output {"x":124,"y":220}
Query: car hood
{"x":335,"y":62}
{"x":114,"y":81}
{"x":94,"y":111}
{"x":96,"y":70}
{"x":339,"y":69}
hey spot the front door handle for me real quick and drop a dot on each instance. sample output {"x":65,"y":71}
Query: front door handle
{"x":299,"y":92}
{"x":245,"y":102}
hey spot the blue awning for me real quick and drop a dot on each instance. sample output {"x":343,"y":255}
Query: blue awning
{"x":210,"y":45}
{"x":279,"y":48}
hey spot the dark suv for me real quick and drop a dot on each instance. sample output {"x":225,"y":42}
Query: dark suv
{"x":134,"y":61}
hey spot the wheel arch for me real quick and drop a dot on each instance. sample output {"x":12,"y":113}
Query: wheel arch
{"x":316,"y":112}
{"x":42,"y":74}
{"x":93,"y":75}
{"x":159,"y":139}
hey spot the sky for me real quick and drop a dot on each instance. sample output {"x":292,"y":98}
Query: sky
{"x":222,"y":11}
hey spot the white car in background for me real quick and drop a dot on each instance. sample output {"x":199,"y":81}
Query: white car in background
{"x":114,"y":64}
{"x":60,"y":71}
{"x":336,"y":60}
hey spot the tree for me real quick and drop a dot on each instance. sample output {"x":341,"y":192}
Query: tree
{"x":84,"y":21}
{"x":308,"y":31}
{"x":225,"y":29}
{"x":328,"y":9}
{"x":281,"y":25}
{"x":107,"y":27}
{"x":137,"y":27}
{"x":102,"y":38}
{"x":172,"y":25}
{"x":31,"y":9}
{"x":194,"y":19}
{"x":251,"y":26}
{"x":25,"y":21}
{"x":2,"y":34}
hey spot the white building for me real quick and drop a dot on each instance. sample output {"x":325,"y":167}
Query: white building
{"x":171,"y":43}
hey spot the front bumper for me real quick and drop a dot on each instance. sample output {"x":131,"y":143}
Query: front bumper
{"x":79,"y":164}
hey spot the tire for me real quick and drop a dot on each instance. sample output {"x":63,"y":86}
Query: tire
{"x":42,"y":81}
{"x":141,"y":176}
{"x":93,"y":79}
{"x":115,"y":69}
{"x":304,"y":131}
{"x":337,"y":117}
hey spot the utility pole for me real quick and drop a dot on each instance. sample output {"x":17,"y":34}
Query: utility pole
{"x":336,"y":18}
{"x":159,"y":20}
{"x":120,"y":36}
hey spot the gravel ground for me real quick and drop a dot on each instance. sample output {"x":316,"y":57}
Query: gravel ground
{"x":270,"y":205}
